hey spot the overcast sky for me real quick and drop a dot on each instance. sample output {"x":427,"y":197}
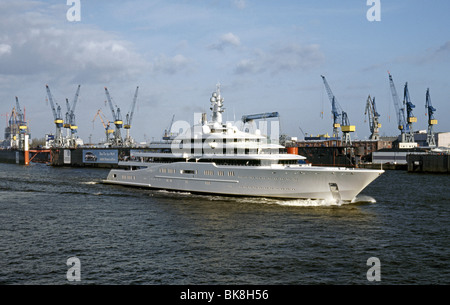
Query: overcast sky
{"x":267,"y":55}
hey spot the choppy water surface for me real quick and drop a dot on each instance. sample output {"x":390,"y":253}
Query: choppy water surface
{"x":135,"y":236}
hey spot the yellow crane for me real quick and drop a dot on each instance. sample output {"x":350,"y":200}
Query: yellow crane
{"x":106,"y":124}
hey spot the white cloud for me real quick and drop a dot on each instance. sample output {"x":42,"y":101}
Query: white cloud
{"x":37,"y":45}
{"x":231,"y":39}
{"x":5,"y":49}
{"x":226,"y":40}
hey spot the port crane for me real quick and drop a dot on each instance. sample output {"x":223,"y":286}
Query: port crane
{"x":431,"y":141}
{"x":373,"y":115}
{"x":129,"y":117}
{"x":410,"y":118}
{"x":58,"y":120}
{"x":70,"y":118}
{"x":400,"y":112}
{"x":12,"y":129}
{"x":338,"y":113}
{"x":106,"y":124}
{"x":17,"y":127}
{"x":117,"y":139}
{"x":20,"y":118}
{"x":167,"y":132}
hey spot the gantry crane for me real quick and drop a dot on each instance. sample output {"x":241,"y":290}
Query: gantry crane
{"x":59,"y":122}
{"x":129,"y":117}
{"x":117,"y":139}
{"x":106,"y":124}
{"x":337,"y":112}
{"x":410,"y":118}
{"x":373,"y":115}
{"x":431,"y":141}
{"x":70,"y":118}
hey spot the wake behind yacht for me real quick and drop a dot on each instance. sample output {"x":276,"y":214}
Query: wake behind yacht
{"x":213,"y":157}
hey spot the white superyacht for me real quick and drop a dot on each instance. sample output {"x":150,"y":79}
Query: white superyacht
{"x":216,"y":158}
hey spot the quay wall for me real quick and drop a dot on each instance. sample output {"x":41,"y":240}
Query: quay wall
{"x":429,"y":163}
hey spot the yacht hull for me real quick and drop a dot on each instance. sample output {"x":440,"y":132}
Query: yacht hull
{"x":289,"y":182}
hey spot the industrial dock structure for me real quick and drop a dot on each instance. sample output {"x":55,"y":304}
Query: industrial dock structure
{"x":401,"y":152}
{"x":415,"y":151}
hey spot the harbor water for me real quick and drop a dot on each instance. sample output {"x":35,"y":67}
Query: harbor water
{"x":126,"y":235}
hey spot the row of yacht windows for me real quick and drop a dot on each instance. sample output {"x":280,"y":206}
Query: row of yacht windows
{"x":201,"y":150}
{"x":217,"y":161}
{"x":230,"y":140}
{"x":194,"y":172}
{"x":222,"y":150}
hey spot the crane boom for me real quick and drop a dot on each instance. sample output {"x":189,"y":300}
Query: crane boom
{"x":18,"y":110}
{"x":334,"y":108}
{"x":337,"y":112}
{"x":250,"y":117}
{"x":409,"y":106}
{"x":430,"y":109}
{"x":108,"y":130}
{"x":327,"y":87}
{"x":110,"y":103}
{"x":73,"y":125}
{"x":405,"y":126}
{"x":410,"y":118}
{"x":67,"y":122}
{"x":431,"y":141}
{"x":59,"y":122}
{"x":70,"y":119}
{"x":129,"y":116}
{"x":118,"y":141}
{"x":167,"y":134}
{"x":20,"y":118}
{"x":399,"y":111}
{"x":75,"y":99}
{"x":56,"y":111}
{"x":373,"y":115}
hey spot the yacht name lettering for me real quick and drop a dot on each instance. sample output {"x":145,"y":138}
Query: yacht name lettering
{"x":197,"y":295}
